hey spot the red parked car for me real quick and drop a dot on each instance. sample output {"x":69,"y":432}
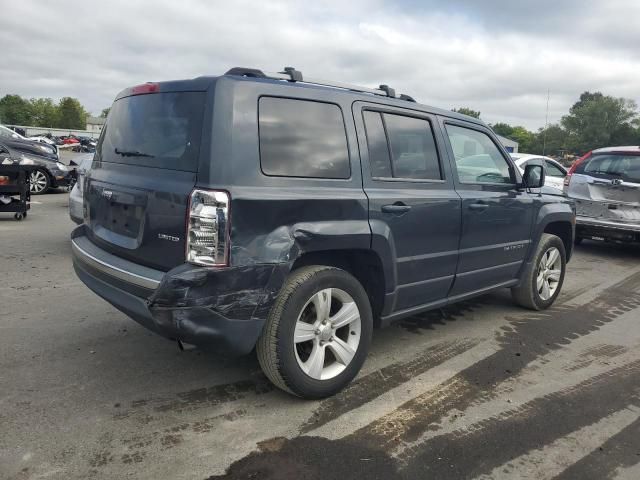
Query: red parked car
{"x":69,"y":140}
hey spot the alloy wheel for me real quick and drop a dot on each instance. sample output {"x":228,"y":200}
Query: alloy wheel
{"x":549,"y":273}
{"x":38,"y":181}
{"x":327,"y":334}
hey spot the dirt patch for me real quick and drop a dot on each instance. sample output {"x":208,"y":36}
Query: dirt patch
{"x":376,"y":383}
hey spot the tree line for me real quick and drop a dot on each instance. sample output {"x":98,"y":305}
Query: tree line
{"x":595,"y":120}
{"x":43,"y":112}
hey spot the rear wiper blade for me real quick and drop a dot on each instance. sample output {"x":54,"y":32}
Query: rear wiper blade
{"x":604,"y":172}
{"x":132,"y":153}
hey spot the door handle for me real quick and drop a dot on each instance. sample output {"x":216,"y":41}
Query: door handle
{"x":396,"y":208}
{"x":478,"y":206}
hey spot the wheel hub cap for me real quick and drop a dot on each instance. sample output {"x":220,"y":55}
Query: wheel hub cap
{"x":327,"y":334}
{"x":549,"y":273}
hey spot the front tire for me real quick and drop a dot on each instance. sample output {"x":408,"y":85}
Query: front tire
{"x":542,"y":280}
{"x":318,"y":333}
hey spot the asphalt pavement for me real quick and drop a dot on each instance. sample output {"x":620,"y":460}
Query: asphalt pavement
{"x":483,"y":389}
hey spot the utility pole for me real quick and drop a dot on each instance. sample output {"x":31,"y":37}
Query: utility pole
{"x":546,"y":124}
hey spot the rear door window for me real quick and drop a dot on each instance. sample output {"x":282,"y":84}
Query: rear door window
{"x":302,"y":138}
{"x":553,"y":170}
{"x":160,"y":130}
{"x":401,"y":147}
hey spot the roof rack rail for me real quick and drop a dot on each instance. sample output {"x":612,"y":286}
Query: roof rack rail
{"x":292,"y":75}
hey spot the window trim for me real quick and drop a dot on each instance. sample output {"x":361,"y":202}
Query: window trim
{"x":405,"y":113}
{"x":478,"y":128}
{"x":310,"y":100}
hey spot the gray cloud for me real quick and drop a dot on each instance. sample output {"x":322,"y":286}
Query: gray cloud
{"x":494,"y":56}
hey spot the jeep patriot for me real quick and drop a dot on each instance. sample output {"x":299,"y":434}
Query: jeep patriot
{"x":291,"y":215}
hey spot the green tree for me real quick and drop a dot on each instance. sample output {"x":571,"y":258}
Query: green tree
{"x":71,"y":114}
{"x":44,"y":113}
{"x":467,"y":111}
{"x":105,"y":112}
{"x":519,"y":134}
{"x":550,"y":141}
{"x":15,"y":110}
{"x":597,"y":120}
{"x":503,"y":129}
{"x":524,"y":137}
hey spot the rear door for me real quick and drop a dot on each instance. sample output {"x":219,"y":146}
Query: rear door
{"x":496,"y":216}
{"x":412,"y":199}
{"x":145,"y":166}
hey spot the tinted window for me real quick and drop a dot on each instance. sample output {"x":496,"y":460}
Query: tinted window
{"x":413,"y":147}
{"x":411,"y":151}
{"x":553,"y":170}
{"x":378,"y":147}
{"x":608,"y":166}
{"x":157,"y":130}
{"x":478,"y":159}
{"x":300,"y":138}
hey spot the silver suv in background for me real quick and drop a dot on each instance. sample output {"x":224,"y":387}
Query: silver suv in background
{"x":605,"y":185}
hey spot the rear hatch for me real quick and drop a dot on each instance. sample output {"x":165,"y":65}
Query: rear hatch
{"x":606,"y":186}
{"x":136,"y":194}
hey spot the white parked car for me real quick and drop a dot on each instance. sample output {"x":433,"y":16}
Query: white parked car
{"x":555,"y":172}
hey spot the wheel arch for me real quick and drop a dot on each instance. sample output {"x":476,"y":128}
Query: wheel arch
{"x":365,"y":265}
{"x":556,"y":219}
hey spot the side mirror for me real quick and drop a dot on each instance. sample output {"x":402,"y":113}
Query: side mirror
{"x":533,"y":176}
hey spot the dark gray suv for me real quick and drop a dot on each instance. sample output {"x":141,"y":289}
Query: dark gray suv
{"x":294,"y":216}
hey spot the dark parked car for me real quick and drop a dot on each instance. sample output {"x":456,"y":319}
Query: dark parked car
{"x":49,"y":174}
{"x":17,"y":142}
{"x":287,"y":214}
{"x":605,"y":185}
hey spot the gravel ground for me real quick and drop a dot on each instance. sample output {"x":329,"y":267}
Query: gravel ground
{"x":480,"y":390}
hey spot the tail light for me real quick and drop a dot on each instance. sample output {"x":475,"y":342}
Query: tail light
{"x":208,"y":228}
{"x":567,"y":179}
{"x":144,"y":88}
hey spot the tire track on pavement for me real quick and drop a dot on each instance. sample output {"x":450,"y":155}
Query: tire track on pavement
{"x":491,"y":443}
{"x":522,"y":342}
{"x":374,"y":384}
{"x":620,"y":451}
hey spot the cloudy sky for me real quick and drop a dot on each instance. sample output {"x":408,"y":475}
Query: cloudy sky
{"x":495,"y":56}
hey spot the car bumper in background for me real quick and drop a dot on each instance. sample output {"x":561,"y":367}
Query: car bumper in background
{"x":593,"y":227}
{"x":219,"y":309}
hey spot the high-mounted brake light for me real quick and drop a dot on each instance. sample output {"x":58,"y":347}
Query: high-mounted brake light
{"x":145,"y":88}
{"x":567,"y":179}
{"x":208,"y":228}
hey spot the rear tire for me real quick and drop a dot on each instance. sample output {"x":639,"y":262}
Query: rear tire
{"x":300,"y":330}
{"x":542,"y":280}
{"x":39,"y":182}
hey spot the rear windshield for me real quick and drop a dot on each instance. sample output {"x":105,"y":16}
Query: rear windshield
{"x":609,"y":166}
{"x":160,"y":130}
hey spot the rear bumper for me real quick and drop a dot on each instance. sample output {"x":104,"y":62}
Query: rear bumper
{"x":216,"y":309}
{"x":607,"y":224}
{"x":588,"y":226}
{"x":61,"y":179}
